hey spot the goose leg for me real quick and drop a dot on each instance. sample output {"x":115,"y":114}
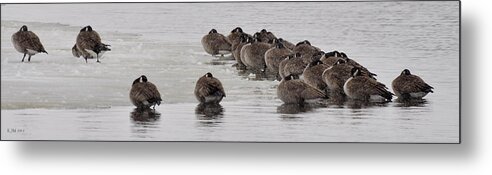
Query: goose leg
{"x":29,"y":59}
{"x":97,"y":57}
{"x":85,"y":59}
{"x":23,"y":57}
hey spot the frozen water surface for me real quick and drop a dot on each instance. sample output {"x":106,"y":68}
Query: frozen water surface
{"x":60,"y":97}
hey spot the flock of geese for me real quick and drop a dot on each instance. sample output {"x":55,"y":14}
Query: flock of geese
{"x":305,"y":72}
{"x":88,"y":44}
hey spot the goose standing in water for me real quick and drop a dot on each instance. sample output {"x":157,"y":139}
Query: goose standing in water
{"x":354,"y":63}
{"x":265,"y":36}
{"x":89,"y":45}
{"x":313,"y":74}
{"x":293,"y":90}
{"x":292,"y":65}
{"x":144,"y":94}
{"x":407,"y":86}
{"x":364,"y":88}
{"x":286,"y":43}
{"x":336,"y":76}
{"x":275,"y":55}
{"x":236,"y":50}
{"x":253,"y":55}
{"x":235,"y":36}
{"x":307,"y":51}
{"x":208,"y":89}
{"x":215,"y":43}
{"x":27,"y":42}
{"x":331,"y":58}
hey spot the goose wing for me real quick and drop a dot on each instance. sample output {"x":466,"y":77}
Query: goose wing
{"x":309,"y":92}
{"x":210,"y":86}
{"x":413,"y":83}
{"x":88,"y":40}
{"x":145,"y":92}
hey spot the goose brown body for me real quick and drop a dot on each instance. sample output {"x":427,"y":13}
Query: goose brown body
{"x":88,"y":44}
{"x":330,"y":58}
{"x":307,"y":51}
{"x":293,"y":90}
{"x":313,"y":74}
{"x":292,"y":65}
{"x":265,"y":36}
{"x":408,"y":86}
{"x":209,"y":89}
{"x":27,"y":42}
{"x":253,"y":55}
{"x":361,"y":87}
{"x":336,"y":76}
{"x":275,"y":55}
{"x":144,"y":94}
{"x":236,"y":50}
{"x":215,"y":43}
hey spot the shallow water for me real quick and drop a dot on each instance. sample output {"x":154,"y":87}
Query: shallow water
{"x":60,"y":97}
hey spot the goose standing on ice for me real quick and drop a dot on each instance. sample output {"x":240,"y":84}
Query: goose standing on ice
{"x":285,"y":43}
{"x":235,"y":36}
{"x":407,"y":86}
{"x":89,"y":45}
{"x":364,"y":88}
{"x":336,"y":76}
{"x":292,"y":65}
{"x":307,"y":51}
{"x":236,"y":50}
{"x":144,"y":94}
{"x":275,"y":55}
{"x":331,"y":58}
{"x":253,"y":55}
{"x":313,"y":74}
{"x":27,"y":42}
{"x":208,"y":89}
{"x":293,"y":90}
{"x":265,"y":36}
{"x":215,"y":43}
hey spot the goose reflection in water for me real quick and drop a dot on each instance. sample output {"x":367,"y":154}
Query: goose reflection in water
{"x":294,"y":108}
{"x":208,"y":112}
{"x":358,"y":104}
{"x":145,"y":115}
{"x":257,"y":75}
{"x":410,"y":102}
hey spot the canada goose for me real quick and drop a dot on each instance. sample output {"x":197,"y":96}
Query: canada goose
{"x":307,"y":51}
{"x":208,"y":89}
{"x":236,"y":50}
{"x":89,"y":44}
{"x":408,"y":86}
{"x":265,"y":36}
{"x":75,"y":51}
{"x":253,"y":55}
{"x":144,"y":94}
{"x":275,"y":55}
{"x":215,"y":43}
{"x":292,"y":65}
{"x":235,"y":36}
{"x":286,"y":43}
{"x":336,"y":76}
{"x":364,"y":88}
{"x":331,"y":58}
{"x":318,"y":55}
{"x":313,"y":74}
{"x":27,"y":42}
{"x":354,"y":63}
{"x":293,"y":90}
